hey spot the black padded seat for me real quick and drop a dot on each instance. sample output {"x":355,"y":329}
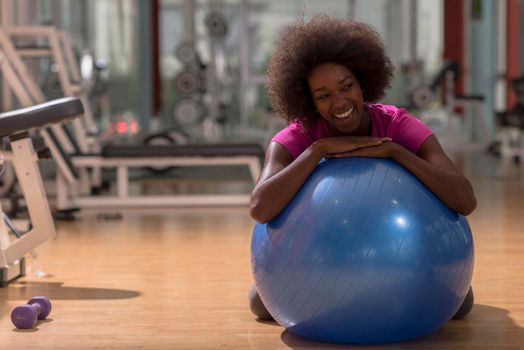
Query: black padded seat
{"x":33,"y":47}
{"x":40,"y":115}
{"x":209,"y":150}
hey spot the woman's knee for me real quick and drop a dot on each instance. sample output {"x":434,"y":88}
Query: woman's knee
{"x":256,"y":305}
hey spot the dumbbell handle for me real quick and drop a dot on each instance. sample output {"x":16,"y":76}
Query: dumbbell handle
{"x":37,"y":307}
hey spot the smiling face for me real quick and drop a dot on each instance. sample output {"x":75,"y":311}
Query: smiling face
{"x":338,"y":98}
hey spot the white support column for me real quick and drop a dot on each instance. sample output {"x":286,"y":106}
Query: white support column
{"x":25,"y":162}
{"x":62,"y":197}
{"x":12,"y":82}
{"x":122,"y":181}
{"x":20,"y":69}
{"x":72,"y":66}
{"x":58,"y":159}
{"x":6,"y":11}
{"x":352,"y":9}
{"x":244,"y":64}
{"x":4,"y":240}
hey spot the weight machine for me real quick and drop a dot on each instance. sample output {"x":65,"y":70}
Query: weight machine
{"x":421,"y":96}
{"x":15,"y":126}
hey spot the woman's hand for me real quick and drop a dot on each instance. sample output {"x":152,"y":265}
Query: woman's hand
{"x":385,"y":149}
{"x":343,"y":146}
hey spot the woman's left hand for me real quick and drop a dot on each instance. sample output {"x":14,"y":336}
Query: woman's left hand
{"x":384,"y":150}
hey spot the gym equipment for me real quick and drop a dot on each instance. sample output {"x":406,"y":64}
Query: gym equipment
{"x":422,"y":95}
{"x":7,"y":179}
{"x":51,"y":83}
{"x":15,"y":125}
{"x":187,"y":53}
{"x":27,"y":91}
{"x":165,"y":139}
{"x":364,"y":253}
{"x":189,"y":82}
{"x":216,"y":24}
{"x":25,"y":316}
{"x":73,"y":153}
{"x":122,"y":158}
{"x":188,"y":112}
{"x":509,"y":143}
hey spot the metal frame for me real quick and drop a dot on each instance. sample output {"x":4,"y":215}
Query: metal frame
{"x":24,"y":159}
{"x":71,"y":192}
{"x":452,"y":102}
{"x":61,"y":52}
{"x":18,"y":79}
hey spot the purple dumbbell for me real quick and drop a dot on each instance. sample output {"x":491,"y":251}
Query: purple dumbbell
{"x":25,"y":316}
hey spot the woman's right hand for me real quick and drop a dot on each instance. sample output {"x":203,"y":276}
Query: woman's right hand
{"x":330,"y":146}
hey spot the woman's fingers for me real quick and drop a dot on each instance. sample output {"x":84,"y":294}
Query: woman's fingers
{"x":382,"y":150}
{"x":338,"y":145}
{"x":366,"y":138}
{"x":370,"y":142}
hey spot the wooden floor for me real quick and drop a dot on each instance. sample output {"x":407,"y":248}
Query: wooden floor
{"x":178,"y":279}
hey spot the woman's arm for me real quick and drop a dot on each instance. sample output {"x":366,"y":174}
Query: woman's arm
{"x":282,"y":176}
{"x":432,"y":167}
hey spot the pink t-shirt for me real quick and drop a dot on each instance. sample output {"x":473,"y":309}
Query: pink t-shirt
{"x":388,"y":121}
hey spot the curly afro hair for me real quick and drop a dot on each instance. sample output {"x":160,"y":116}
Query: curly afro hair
{"x":302,"y":46}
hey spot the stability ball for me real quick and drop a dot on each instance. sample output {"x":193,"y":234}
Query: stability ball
{"x":364,"y":253}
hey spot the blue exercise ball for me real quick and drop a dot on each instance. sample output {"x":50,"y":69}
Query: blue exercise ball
{"x":364,"y":253}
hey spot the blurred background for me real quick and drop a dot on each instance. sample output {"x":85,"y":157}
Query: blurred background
{"x":193,"y":70}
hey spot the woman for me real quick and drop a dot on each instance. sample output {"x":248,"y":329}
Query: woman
{"x":323,"y":79}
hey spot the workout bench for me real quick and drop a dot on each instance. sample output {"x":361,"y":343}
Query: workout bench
{"x":73,"y":188}
{"x":75,"y":185}
{"x":16,"y":125}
